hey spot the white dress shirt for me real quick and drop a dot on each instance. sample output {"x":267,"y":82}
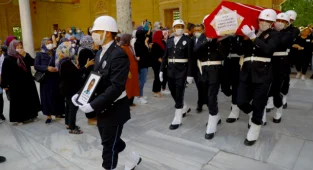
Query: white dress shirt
{"x":105,"y":48}
{"x":176,"y":39}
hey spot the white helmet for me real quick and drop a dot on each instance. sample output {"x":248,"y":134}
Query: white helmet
{"x":292,"y":14}
{"x":283,"y":16}
{"x":178,"y":22}
{"x":268,"y":15}
{"x":105,"y":23}
{"x":205,"y":18}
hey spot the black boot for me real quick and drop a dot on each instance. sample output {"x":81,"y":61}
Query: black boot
{"x":285,"y":106}
{"x":2,"y":117}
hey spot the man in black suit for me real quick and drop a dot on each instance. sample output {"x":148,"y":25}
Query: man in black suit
{"x":110,"y":100}
{"x":256,"y":72}
{"x":176,"y":60}
{"x":209,"y":55}
{"x":198,"y":37}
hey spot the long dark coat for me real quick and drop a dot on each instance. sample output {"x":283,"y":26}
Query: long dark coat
{"x":24,"y":100}
{"x":52,"y":102}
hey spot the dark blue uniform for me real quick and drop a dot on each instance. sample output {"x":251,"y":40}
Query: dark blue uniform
{"x":177,"y":60}
{"x":256,"y":74}
{"x":112,"y":111}
{"x":210,"y":55}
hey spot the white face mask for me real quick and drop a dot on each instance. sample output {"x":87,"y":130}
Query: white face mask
{"x":73,"y":45}
{"x":179,"y":32}
{"x":279,"y":26}
{"x":70,"y":31}
{"x":49,"y":46}
{"x":187,"y":34}
{"x":197,"y":34}
{"x":55,"y":32}
{"x":18,"y":50}
{"x":97,"y":38}
{"x":263,"y":26}
{"x":78,"y":31}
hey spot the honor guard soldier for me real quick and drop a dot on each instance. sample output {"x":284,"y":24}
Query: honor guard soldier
{"x":281,"y":66}
{"x":210,"y":53}
{"x":176,"y":60}
{"x":295,"y":33}
{"x":256,"y":72}
{"x":197,"y":40}
{"x":110,"y":100}
{"x":231,"y":75}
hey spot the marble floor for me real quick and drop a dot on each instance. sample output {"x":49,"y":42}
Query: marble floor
{"x":284,"y":146}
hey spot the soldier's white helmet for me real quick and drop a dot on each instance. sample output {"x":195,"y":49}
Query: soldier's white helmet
{"x":178,"y":22}
{"x":283,"y":16}
{"x":292,"y":14}
{"x":205,"y":18}
{"x":268,"y":15}
{"x":105,"y":23}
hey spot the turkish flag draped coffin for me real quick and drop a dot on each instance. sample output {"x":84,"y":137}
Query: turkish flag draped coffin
{"x":230,"y":17}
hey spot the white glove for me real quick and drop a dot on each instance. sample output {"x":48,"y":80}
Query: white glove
{"x":161,"y":76}
{"x":86,"y":108}
{"x":248,"y":32}
{"x":189,"y":80}
{"x":209,"y":39}
{"x":74,"y":98}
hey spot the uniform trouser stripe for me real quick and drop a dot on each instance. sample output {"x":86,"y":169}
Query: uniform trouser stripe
{"x":114,"y":146}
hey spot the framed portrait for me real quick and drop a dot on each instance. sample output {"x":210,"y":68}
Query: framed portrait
{"x":89,"y":88}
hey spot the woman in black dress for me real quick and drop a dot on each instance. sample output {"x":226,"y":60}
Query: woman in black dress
{"x":18,"y":79}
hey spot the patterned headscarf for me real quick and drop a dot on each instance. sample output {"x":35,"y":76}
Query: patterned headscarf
{"x":86,"y":43}
{"x":12,"y":52}
{"x":125,"y":39}
{"x":43,"y":45}
{"x":64,"y":51}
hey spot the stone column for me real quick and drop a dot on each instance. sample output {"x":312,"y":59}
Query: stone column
{"x":124,"y":16}
{"x":27,"y":31}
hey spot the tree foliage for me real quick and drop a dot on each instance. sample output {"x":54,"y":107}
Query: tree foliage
{"x":304,"y":9}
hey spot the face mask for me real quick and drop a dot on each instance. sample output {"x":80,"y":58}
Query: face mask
{"x":55,"y":32}
{"x":97,"y":38}
{"x":279,"y":26}
{"x":78,"y":31}
{"x":179,"y":32}
{"x":186,"y":34}
{"x":18,"y":50}
{"x":90,"y":31}
{"x":197,"y":34}
{"x":263,"y":26}
{"x":49,"y":46}
{"x":70,"y":31}
{"x":73,"y":45}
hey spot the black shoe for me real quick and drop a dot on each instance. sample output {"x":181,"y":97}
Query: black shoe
{"x":199,"y":109}
{"x":311,"y":77}
{"x":285,"y":106}
{"x":277,"y":120}
{"x":2,"y":159}
{"x":48,"y":121}
{"x":209,"y":136}
{"x":231,"y":120}
{"x":2,"y":117}
{"x":184,"y":114}
{"x":264,"y":123}
{"x":137,"y":163}
{"x":174,"y":127}
{"x":249,"y":143}
{"x":249,"y":126}
{"x":268,"y":110}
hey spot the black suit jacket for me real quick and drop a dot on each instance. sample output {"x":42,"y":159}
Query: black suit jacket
{"x":114,"y":68}
{"x":182,"y":50}
{"x":263,"y":46}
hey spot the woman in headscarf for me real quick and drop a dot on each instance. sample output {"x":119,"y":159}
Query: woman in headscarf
{"x":52,"y":102}
{"x":132,"y":84}
{"x":71,"y":81}
{"x":142,"y":54}
{"x":86,"y":52}
{"x":157,"y":52}
{"x":18,"y":79}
